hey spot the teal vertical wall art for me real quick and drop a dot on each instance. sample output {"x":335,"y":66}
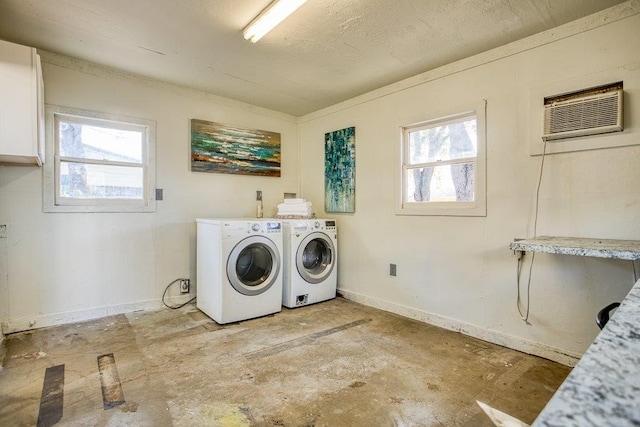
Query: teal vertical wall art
{"x":340,"y":171}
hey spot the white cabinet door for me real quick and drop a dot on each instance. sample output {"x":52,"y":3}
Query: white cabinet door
{"x":21,"y":105}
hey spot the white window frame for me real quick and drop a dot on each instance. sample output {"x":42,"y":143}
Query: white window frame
{"x":52,"y":202}
{"x":478,"y":207}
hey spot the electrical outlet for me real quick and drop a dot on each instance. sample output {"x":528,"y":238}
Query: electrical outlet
{"x":392,"y":269}
{"x":185,"y":286}
{"x":258,"y":195}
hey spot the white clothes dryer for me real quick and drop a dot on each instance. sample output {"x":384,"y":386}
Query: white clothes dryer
{"x":239,"y":268}
{"x":310,"y":261}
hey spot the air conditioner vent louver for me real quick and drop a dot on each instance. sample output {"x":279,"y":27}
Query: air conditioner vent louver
{"x":586,"y":112}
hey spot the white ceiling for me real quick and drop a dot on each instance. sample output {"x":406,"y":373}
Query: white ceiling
{"x":326,"y":52}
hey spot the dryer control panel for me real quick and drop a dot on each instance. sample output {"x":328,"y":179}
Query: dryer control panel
{"x":322,"y":224}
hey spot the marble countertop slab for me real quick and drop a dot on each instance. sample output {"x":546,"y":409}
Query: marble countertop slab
{"x":603,"y":389}
{"x":599,"y":248}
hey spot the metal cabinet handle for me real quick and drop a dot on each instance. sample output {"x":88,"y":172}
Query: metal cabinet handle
{"x":603,"y":315}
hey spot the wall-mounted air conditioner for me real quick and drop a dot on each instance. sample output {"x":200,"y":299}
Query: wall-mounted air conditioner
{"x":585,"y":112}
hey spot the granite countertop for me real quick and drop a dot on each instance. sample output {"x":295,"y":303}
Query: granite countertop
{"x":603,"y":389}
{"x":599,"y":248}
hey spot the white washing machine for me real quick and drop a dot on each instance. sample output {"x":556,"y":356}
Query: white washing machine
{"x":239,"y":268}
{"x":310,"y":261}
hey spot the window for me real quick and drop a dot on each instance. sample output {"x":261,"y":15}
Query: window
{"x":100,"y":162}
{"x":442,"y":163}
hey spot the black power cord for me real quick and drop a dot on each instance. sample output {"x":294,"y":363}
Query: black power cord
{"x":175,"y":307}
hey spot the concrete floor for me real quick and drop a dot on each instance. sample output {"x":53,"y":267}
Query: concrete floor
{"x":336,"y":363}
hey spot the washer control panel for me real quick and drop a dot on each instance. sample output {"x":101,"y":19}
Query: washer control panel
{"x":235,"y":228}
{"x":265,"y":227}
{"x":274,"y":227}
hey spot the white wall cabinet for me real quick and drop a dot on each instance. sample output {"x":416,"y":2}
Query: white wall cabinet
{"x":21,"y":105}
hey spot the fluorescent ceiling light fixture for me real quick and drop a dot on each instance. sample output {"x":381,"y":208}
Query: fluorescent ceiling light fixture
{"x":274,"y":14}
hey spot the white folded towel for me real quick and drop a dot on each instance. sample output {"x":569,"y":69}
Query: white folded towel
{"x":291,"y":201}
{"x":294,"y":205}
{"x":295,"y":211}
{"x":300,"y":208}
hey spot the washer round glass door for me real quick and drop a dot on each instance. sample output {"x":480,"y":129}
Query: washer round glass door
{"x":253,"y":265}
{"x":314,"y":258}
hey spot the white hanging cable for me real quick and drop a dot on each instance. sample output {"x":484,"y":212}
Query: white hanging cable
{"x":525,"y":317}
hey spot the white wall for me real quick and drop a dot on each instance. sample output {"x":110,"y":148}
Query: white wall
{"x":458,"y":271}
{"x":61,"y":267}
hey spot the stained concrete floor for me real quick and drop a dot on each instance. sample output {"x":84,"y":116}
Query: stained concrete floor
{"x":337,"y":363}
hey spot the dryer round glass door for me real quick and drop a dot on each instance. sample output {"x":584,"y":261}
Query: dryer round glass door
{"x":315,"y":257}
{"x":253,"y":265}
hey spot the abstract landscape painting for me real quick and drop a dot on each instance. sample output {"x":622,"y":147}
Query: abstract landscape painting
{"x":340,"y":170}
{"x":228,"y":149}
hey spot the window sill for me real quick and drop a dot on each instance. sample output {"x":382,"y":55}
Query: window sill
{"x":443,"y":209}
{"x":52,"y":208}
